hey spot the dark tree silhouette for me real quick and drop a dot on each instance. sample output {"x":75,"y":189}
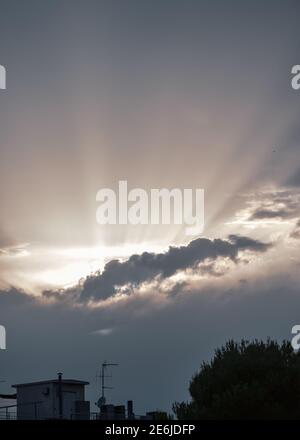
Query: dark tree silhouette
{"x":246,"y":380}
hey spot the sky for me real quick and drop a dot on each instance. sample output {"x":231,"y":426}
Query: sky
{"x":162,"y":94}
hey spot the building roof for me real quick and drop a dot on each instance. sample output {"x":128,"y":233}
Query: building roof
{"x":45,"y":382}
{"x":8,"y":396}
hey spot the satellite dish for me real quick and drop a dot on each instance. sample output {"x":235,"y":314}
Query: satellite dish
{"x":101,"y":402}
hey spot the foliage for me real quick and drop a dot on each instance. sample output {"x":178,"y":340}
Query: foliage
{"x":246,"y":380}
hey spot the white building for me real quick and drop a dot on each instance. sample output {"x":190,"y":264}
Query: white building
{"x":52,"y":399}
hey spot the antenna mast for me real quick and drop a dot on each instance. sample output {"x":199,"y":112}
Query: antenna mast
{"x":103,"y":376}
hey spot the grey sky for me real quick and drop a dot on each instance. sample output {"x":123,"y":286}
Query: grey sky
{"x":162,"y":94}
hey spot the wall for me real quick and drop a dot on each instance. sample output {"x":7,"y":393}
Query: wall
{"x":49,"y":408}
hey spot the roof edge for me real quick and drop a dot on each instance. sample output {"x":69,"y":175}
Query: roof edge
{"x":64,"y":381}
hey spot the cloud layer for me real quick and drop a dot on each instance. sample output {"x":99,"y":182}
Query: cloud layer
{"x":147,"y":267}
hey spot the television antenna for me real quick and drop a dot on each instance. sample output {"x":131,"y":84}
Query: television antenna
{"x":104,"y":376}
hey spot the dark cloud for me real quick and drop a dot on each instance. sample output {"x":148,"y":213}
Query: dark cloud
{"x":13,"y":297}
{"x":278,"y":204}
{"x":247,"y":243}
{"x":261,"y":214}
{"x":149,"y":266}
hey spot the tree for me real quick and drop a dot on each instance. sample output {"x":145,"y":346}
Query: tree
{"x":246,"y":380}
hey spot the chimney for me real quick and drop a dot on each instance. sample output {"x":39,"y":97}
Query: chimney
{"x":130,"y":413}
{"x":60,"y":396}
